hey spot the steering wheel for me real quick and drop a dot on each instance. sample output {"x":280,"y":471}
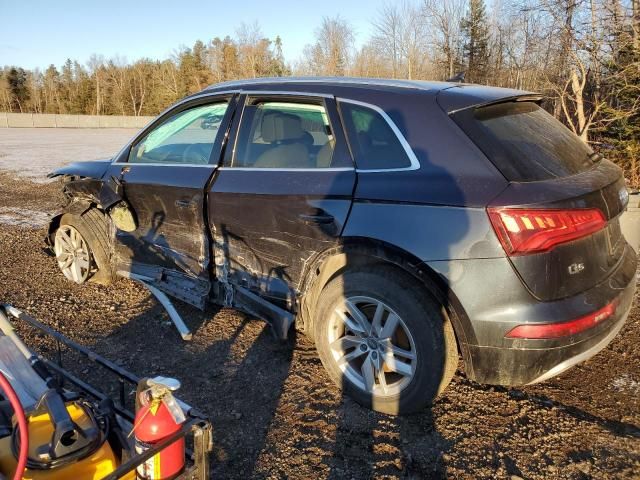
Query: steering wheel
{"x":195,"y":153}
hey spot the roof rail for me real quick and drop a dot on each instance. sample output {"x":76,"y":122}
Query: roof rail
{"x":387,"y":82}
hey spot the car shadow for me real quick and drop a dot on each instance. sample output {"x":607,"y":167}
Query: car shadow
{"x":229,"y":352}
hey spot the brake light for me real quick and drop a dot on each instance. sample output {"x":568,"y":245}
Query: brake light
{"x":523,"y":231}
{"x":563,"y":329}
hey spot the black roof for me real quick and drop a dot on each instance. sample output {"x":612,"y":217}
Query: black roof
{"x":453,"y":97}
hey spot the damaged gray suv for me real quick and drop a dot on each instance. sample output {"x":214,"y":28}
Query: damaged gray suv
{"x":399,"y":224}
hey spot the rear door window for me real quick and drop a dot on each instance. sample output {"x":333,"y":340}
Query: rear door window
{"x":525,"y":142}
{"x":374,"y":144}
{"x":287,"y":135}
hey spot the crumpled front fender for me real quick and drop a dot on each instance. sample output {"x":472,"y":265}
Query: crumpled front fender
{"x":84,"y":181}
{"x":94,"y":169}
{"x":85,"y":187}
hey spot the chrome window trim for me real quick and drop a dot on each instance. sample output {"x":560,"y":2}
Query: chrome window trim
{"x":197,"y":96}
{"x":267,"y":169}
{"x":415,"y":164}
{"x":286,"y":93}
{"x":191,"y":165}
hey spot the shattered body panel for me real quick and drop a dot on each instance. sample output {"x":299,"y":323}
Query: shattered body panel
{"x":168,"y":204}
{"x":83,"y":187}
{"x":265,"y":225}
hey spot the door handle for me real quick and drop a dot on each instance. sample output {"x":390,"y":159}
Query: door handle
{"x":321,"y":219}
{"x":125,"y":170}
{"x":184,"y":203}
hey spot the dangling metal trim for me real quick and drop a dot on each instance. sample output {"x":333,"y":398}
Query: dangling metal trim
{"x":184,"y":331}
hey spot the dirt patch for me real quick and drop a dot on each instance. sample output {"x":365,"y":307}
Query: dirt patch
{"x":276,"y":414}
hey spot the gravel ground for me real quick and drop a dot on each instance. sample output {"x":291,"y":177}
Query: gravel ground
{"x":276,"y":414}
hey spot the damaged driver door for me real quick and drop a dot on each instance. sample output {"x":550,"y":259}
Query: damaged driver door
{"x":282,"y":195}
{"x":163,"y":176}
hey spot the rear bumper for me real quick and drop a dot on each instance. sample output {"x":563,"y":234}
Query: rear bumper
{"x":583,"y":355}
{"x":524,"y":361}
{"x":522,"y":366}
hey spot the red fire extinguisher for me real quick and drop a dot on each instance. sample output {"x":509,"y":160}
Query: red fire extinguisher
{"x":158,"y":416}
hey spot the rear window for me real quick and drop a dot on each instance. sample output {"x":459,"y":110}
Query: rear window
{"x":525,"y":142}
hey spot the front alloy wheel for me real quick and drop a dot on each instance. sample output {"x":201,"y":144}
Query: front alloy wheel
{"x":372,"y":346}
{"x":72,"y":253}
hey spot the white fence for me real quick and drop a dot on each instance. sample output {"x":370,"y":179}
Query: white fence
{"x":51,"y":120}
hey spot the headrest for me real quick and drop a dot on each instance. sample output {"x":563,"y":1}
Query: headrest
{"x":277,"y":127}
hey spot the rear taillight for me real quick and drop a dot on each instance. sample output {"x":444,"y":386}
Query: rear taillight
{"x":563,"y":329}
{"x":522,"y":231}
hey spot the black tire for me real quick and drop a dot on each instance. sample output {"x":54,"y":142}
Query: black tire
{"x":94,"y":228}
{"x":424,"y":318}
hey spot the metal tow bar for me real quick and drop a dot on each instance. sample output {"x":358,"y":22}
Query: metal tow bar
{"x":184,"y":331}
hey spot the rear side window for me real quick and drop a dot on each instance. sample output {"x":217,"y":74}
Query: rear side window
{"x":373,"y":142}
{"x":525,"y":142}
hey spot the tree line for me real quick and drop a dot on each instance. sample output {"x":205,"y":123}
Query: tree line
{"x":145,"y":86}
{"x":583,"y":55}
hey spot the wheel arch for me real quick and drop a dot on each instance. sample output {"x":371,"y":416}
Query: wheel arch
{"x":83,"y":189}
{"x":76,"y":206}
{"x":354,"y":251}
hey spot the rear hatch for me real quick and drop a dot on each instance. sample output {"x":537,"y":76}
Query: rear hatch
{"x":558,"y":219}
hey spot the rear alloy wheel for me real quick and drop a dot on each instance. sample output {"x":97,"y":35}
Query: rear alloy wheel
{"x":372,"y":346}
{"x":384,"y":339}
{"x":73,"y":254}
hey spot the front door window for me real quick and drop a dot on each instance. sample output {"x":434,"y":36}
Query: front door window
{"x":186,"y":138}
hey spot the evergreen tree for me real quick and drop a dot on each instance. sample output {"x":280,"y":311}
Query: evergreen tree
{"x":278,"y":66}
{"x":67,"y":86}
{"x":475,"y":32}
{"x":18,"y":89}
{"x":622,"y":134}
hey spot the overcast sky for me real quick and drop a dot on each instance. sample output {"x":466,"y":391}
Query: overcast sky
{"x":37,"y":33}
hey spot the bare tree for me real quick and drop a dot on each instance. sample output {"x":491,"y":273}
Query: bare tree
{"x":331,"y":52}
{"x":400,"y":36}
{"x":253,"y":49}
{"x":95,"y":64}
{"x":388,"y":35}
{"x":5,"y":94}
{"x":635,"y":24}
{"x":367,"y":62}
{"x":443,"y":18}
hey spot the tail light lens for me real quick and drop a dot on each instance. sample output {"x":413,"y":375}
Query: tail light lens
{"x":524,"y":231}
{"x":562,"y":329}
